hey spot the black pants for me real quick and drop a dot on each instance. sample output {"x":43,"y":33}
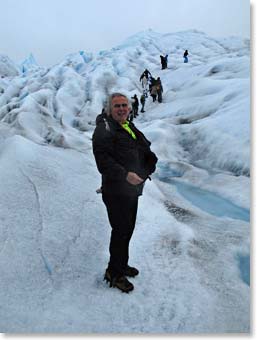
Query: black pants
{"x":159,"y":96}
{"x":135,"y":110}
{"x":122,"y":212}
{"x":154,"y":97}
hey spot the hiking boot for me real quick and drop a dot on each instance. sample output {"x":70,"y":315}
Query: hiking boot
{"x":120,"y":282}
{"x":131,"y":271}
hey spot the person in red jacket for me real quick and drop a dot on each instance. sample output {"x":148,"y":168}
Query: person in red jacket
{"x":125,"y":161}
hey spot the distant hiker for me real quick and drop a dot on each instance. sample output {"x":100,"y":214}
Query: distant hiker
{"x":166,"y":60}
{"x":125,"y":160}
{"x":135,"y":104}
{"x":152,"y":80}
{"x":185,"y":53}
{"x":145,"y":73}
{"x":163,"y":62}
{"x":186,"y":56}
{"x":159,"y":89}
{"x":142,"y":101}
{"x":144,"y":83}
{"x":154,"y":92}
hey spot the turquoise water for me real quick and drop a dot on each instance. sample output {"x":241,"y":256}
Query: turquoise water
{"x":211,"y":202}
{"x":203,"y":199}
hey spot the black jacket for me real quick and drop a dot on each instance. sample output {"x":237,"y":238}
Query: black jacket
{"x":116,"y":153}
{"x":135,"y":102}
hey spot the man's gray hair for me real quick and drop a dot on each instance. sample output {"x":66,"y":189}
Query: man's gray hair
{"x":110,"y":98}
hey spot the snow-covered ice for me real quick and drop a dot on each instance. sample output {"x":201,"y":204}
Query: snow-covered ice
{"x":54,"y":232}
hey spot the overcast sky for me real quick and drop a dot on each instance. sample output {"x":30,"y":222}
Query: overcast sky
{"x":51,"y":29}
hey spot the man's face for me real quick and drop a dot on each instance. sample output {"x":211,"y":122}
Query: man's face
{"x":120,"y":109}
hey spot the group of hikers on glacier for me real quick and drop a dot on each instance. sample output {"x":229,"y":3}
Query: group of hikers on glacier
{"x":151,"y":86}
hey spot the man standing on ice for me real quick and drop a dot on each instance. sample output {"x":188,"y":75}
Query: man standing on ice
{"x":125,"y":160}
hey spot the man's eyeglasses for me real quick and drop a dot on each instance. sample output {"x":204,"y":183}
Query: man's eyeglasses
{"x":117,"y":106}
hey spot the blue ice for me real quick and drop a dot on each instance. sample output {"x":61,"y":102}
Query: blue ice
{"x":203,"y":199}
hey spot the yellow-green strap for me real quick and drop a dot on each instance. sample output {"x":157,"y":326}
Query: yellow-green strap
{"x":128,"y":129}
